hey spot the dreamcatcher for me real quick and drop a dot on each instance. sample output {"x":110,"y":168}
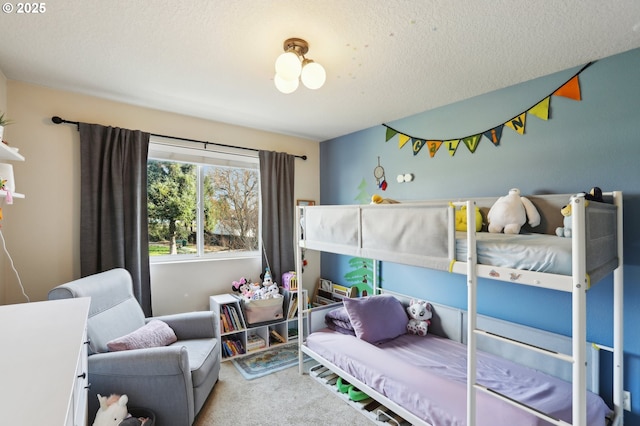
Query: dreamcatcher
{"x":378,"y":173}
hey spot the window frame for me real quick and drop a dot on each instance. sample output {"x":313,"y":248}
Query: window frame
{"x":201,"y":158}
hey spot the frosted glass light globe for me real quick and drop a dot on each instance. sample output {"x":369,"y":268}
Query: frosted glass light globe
{"x":286,"y":86}
{"x":313,"y":75}
{"x":288,"y":65}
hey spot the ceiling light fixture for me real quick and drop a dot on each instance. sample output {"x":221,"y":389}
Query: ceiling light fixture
{"x":292,"y":66}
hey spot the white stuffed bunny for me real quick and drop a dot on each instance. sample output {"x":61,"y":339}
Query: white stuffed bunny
{"x":510,"y":212}
{"x":112,"y":411}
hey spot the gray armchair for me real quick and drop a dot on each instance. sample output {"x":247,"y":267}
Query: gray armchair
{"x":173,"y":381}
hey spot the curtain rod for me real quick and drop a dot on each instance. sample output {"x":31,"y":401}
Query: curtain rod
{"x":58,"y":120}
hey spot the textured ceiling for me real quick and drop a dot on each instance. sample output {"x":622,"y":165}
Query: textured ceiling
{"x":385,"y":59}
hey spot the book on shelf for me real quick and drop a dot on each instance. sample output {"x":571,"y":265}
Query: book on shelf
{"x":255,"y":342}
{"x":224,"y":327}
{"x":232,"y":347}
{"x":231,"y":325}
{"x":277,"y":337}
{"x":236,"y":317}
{"x":293,"y":306}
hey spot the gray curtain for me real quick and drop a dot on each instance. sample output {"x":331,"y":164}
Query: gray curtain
{"x":113,"y":218}
{"x":278,"y":209}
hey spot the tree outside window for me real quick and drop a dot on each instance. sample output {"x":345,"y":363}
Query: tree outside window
{"x":202,"y":209}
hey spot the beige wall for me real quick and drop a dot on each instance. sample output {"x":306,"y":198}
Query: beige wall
{"x":42,"y":231}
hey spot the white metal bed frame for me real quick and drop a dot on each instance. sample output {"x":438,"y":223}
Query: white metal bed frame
{"x":577,"y":284}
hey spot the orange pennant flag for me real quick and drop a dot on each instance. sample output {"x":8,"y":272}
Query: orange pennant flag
{"x":541,"y":110}
{"x":402,"y":139}
{"x":517,"y":123}
{"x":433,"y":147}
{"x":571,"y":89}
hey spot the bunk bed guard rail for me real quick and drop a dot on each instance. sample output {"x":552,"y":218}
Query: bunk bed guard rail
{"x":422,"y":235}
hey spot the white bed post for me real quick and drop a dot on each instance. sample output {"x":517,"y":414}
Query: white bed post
{"x":472,"y":281}
{"x":618,"y":319}
{"x":579,"y":307}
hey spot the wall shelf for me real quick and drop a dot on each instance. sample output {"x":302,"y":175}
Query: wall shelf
{"x":3,"y":194}
{"x":8,"y":153}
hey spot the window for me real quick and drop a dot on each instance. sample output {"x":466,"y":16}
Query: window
{"x":202,"y":203}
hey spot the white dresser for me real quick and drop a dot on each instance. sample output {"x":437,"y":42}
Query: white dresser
{"x":43,"y":363}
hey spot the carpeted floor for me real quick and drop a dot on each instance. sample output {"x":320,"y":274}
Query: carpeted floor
{"x":281,"y":398}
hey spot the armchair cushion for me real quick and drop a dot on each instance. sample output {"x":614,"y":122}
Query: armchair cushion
{"x":152,"y":334}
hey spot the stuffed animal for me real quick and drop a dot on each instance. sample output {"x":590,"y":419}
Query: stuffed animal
{"x":112,"y":411}
{"x":595,"y":194}
{"x":565,"y":231}
{"x":461,"y":219}
{"x":419,"y":317}
{"x":377,"y":199}
{"x":510,"y":212}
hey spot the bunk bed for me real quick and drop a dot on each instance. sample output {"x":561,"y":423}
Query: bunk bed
{"x":424,"y":235}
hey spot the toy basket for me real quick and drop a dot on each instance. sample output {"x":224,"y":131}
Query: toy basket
{"x":263,"y":310}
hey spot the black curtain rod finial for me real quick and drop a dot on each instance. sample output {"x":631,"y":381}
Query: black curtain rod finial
{"x":57,"y":119}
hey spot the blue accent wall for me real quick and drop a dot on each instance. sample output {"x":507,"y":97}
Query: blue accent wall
{"x":592,"y":142}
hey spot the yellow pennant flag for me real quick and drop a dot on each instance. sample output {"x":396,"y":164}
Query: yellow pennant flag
{"x":472,"y":142}
{"x":402,"y":139}
{"x":517,"y":123}
{"x":452,"y":145}
{"x":571,"y":89}
{"x":433,"y":147}
{"x":541,"y":110}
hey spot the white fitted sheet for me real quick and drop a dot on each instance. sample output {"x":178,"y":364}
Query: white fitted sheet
{"x":529,"y":252}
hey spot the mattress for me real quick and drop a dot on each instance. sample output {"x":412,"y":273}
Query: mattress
{"x":427,"y":377}
{"x":529,"y":252}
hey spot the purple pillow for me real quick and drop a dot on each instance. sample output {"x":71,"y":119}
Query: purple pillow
{"x":338,"y":320}
{"x":154,"y":333}
{"x":376,"y":318}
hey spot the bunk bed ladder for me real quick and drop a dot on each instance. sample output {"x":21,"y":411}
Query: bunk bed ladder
{"x":578,"y":357}
{"x":472,"y":309}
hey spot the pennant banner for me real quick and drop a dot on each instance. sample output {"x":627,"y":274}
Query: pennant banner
{"x":452,"y":146}
{"x":494,"y":134}
{"x":541,"y":110}
{"x":402,"y":139}
{"x":433,"y":147}
{"x":417,"y":145}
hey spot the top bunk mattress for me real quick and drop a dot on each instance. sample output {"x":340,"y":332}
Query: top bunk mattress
{"x":427,"y":377}
{"x":529,"y":252}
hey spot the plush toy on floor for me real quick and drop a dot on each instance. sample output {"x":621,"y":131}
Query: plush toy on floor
{"x":419,"y":317}
{"x":510,"y":212}
{"x":113,"y":412}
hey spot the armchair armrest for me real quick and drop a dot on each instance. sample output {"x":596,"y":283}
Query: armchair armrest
{"x":190,"y":325}
{"x":155,"y":378}
{"x":160,"y":361}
